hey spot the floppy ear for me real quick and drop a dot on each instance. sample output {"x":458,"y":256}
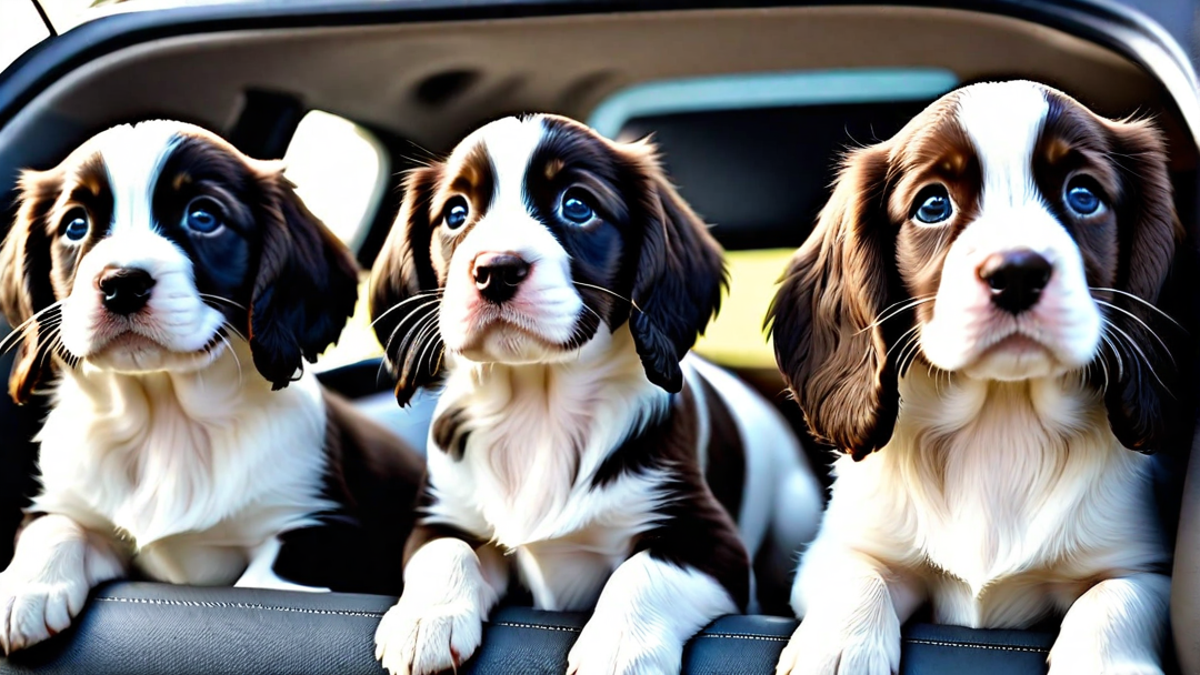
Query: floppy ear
{"x":680,"y":274}
{"x":25,"y":285}
{"x":1143,"y":398}
{"x":404,"y":286}
{"x":305,"y":288}
{"x":832,"y":354}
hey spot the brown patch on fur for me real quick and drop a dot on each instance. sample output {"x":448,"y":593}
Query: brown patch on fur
{"x":375,"y":478}
{"x":726,"y":470}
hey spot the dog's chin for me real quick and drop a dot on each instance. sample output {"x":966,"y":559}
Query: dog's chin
{"x":135,"y":354}
{"x":1012,"y":358}
{"x":503,"y":342}
{"x":1015,"y":357}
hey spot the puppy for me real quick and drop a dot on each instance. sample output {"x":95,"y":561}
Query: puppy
{"x":174,"y":286}
{"x":558,"y":281}
{"x":981,"y":303}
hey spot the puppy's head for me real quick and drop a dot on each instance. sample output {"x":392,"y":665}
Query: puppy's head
{"x":532,"y":236}
{"x":151,"y":246}
{"x":1006,"y":233}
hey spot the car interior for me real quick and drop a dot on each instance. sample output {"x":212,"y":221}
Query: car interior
{"x":750,"y":105}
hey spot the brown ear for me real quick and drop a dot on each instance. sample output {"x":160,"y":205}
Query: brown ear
{"x":680,"y":274}
{"x":305,"y":288}
{"x":832,"y":353}
{"x":404,"y":289}
{"x":25,"y":285}
{"x":1142,"y":382}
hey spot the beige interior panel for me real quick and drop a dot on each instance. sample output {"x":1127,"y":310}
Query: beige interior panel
{"x":569,"y":64}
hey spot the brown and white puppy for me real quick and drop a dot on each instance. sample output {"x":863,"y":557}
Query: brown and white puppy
{"x":165,"y":289}
{"x":558,"y":281}
{"x":981,"y":303}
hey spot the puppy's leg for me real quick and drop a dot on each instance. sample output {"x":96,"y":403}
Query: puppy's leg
{"x":449,"y":588}
{"x":1116,"y":627}
{"x":647,"y":612}
{"x":260,"y":573}
{"x":45,"y":586}
{"x":851,"y":607}
{"x":692,"y":569}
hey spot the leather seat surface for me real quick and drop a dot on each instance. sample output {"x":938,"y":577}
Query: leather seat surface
{"x":137,"y":628}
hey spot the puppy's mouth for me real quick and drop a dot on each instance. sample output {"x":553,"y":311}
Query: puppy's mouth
{"x":1016,"y":345}
{"x":130,"y":350}
{"x":502,"y":333}
{"x":511,"y":334}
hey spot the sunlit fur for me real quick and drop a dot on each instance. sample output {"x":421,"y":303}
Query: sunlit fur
{"x":1000,"y":491}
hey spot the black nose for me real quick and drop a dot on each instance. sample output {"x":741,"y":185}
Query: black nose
{"x":1016,"y":278}
{"x":125,"y":289}
{"x":498,"y":275}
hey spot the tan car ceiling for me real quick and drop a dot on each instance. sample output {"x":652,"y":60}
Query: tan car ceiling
{"x":569,"y":64}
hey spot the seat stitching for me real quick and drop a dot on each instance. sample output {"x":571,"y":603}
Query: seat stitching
{"x":971,"y":645}
{"x":241,"y":605}
{"x":744,"y":636}
{"x":513,"y":624}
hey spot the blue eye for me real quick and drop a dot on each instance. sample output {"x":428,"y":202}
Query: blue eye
{"x":456,"y":213}
{"x":1082,"y":199}
{"x":202,"y":216}
{"x":933,"y":205}
{"x":77,"y":225}
{"x":575,"y":206}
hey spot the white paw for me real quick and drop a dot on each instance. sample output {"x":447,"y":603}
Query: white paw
{"x":32,"y":611}
{"x":415,"y":640}
{"x":818,"y":649}
{"x":1080,"y":652}
{"x":438,"y":622}
{"x":611,"y":645}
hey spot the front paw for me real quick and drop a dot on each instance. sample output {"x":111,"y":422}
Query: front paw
{"x":1077,"y":652}
{"x":415,"y":640}
{"x":32,"y":611}
{"x":818,"y":649}
{"x":608,"y":649}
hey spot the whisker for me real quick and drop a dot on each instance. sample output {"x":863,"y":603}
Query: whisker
{"x":909,"y":354}
{"x":1131,"y":296}
{"x":901,"y":340}
{"x":19,"y":331}
{"x":398,"y":305}
{"x":422,"y":323}
{"x":233,"y":352}
{"x":419,"y":317}
{"x":234,"y":330}
{"x":1108,"y":340}
{"x":1103,"y":369}
{"x":1143,"y":323}
{"x":46,"y":347}
{"x":437,"y":343}
{"x":594,"y":312}
{"x":890,"y":313}
{"x":224,"y":300}
{"x":612,"y":293}
{"x":1133,"y":345}
{"x":413,"y":357}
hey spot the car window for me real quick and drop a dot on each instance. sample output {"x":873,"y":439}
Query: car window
{"x":341,"y":170}
{"x":754,"y":155}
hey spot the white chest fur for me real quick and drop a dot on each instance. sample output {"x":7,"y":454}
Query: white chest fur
{"x":1006,"y":496}
{"x":537,"y":436}
{"x":176,"y":463}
